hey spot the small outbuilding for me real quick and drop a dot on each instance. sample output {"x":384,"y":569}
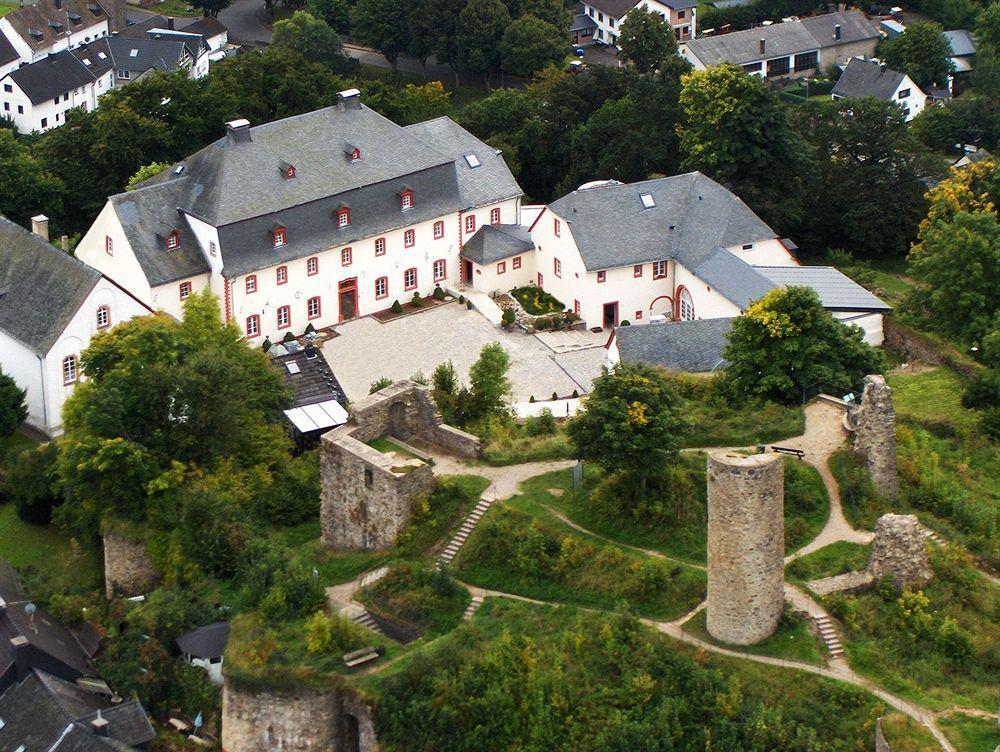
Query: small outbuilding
{"x":205,"y":647}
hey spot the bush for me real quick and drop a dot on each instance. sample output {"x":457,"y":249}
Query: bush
{"x":508,"y":317}
{"x":289,"y":337}
{"x":625,"y":322}
{"x":468,"y":304}
{"x":461,"y":299}
{"x":544,"y":424}
{"x":417,"y":302}
{"x":396,"y":307}
{"x":31,"y":481}
{"x":536,"y":301}
{"x":438,"y":293}
{"x":379,"y":385}
{"x":13,"y":409}
{"x":541,"y":324}
{"x":310,"y":329}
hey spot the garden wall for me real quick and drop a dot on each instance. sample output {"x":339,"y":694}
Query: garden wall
{"x":128,"y":568}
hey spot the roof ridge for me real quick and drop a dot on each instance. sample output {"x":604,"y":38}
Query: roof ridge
{"x":52,"y":249}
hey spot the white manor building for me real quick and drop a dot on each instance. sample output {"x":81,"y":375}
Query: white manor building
{"x":609,"y":15}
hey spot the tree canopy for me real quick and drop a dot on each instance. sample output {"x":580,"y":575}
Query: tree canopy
{"x":922,"y":52}
{"x":313,"y":38}
{"x":787,"y":342}
{"x":13,"y":409}
{"x":482,"y":24}
{"x":380,"y":24}
{"x":646,"y":39}
{"x":530,"y":44}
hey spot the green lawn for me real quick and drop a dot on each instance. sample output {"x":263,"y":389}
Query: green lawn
{"x":7,"y":7}
{"x":461,"y":95}
{"x":48,"y":550}
{"x":906,"y":735}
{"x":969,"y":733}
{"x":792,"y":641}
{"x":931,"y":396}
{"x":17,"y":441}
{"x":837,"y":558}
{"x":175,"y":8}
{"x":386,"y":445}
{"x":884,"y":277}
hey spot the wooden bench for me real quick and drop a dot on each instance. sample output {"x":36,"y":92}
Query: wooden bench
{"x":788,"y":450}
{"x":360,"y":657}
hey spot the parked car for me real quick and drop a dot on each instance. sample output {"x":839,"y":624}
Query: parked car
{"x":578,"y":51}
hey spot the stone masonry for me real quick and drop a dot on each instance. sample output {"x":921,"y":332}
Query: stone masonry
{"x":899,"y":551}
{"x":128,"y":569}
{"x":256,"y":719}
{"x":366,"y":495}
{"x":874,"y":423}
{"x":746,"y":546}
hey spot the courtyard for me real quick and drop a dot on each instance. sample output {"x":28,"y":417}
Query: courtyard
{"x":366,"y":350}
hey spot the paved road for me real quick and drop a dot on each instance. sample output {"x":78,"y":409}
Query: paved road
{"x":248,"y":22}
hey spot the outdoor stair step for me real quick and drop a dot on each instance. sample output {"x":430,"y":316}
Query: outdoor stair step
{"x":468,"y":526}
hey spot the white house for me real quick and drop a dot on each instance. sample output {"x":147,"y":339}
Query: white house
{"x":864,"y":77}
{"x":48,"y":26}
{"x":205,"y":647}
{"x":51,"y":305}
{"x":608,"y":16}
{"x":313,"y":219}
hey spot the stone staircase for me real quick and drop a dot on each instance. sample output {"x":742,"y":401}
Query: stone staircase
{"x":367,"y":621}
{"x":468,"y":525}
{"x":477,"y":601}
{"x":933,"y":537}
{"x":829,"y":634}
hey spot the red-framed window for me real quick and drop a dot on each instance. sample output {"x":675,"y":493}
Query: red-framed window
{"x":502,"y":267}
{"x":440,"y":270}
{"x":381,"y":288}
{"x":313,"y":308}
{"x":312,"y":266}
{"x":556,"y":227}
{"x":251,"y":284}
{"x":557,"y":267}
{"x":109,"y":245}
{"x":103,"y":316}
{"x":290,"y":172}
{"x":637,"y":270}
{"x":184,"y":289}
{"x":659,"y":269}
{"x":410,"y":279}
{"x":379,"y":246}
{"x":281,"y":275}
{"x":409,"y":239}
{"x":284,"y":315}
{"x":173,"y":240}
{"x":253,"y":325}
{"x":602,"y":276}
{"x":638,"y":315}
{"x":576,"y":307}
{"x":279,"y":235}
{"x":406,"y":199}
{"x":70,"y":370}
{"x":346,"y":257}
{"x":343,"y":216}
{"x":438,"y":230}
{"x":470,"y":223}
{"x":495,"y":216}
{"x":516,"y":263}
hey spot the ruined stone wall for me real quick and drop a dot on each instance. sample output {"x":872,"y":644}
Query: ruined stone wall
{"x":301,"y":720}
{"x":899,"y":551}
{"x":881,"y":744}
{"x":128,"y":570}
{"x":365,"y":503}
{"x":875,"y":435}
{"x":746,"y":546}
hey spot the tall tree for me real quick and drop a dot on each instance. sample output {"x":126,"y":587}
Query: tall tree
{"x":27,"y":187}
{"x":736,"y":132}
{"x":530,"y":44}
{"x":312,"y":38}
{"x":381,"y":24}
{"x":986,"y":73}
{"x":446,"y":14}
{"x":424,"y":31}
{"x":211,"y":8}
{"x":922,"y":52}
{"x":646,"y":39}
{"x":337,"y":13}
{"x":488,"y":382}
{"x":482,"y":24}
{"x":13,"y":409}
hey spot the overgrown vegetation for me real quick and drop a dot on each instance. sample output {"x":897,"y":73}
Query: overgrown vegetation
{"x":421,"y":597}
{"x":793,"y":640}
{"x":837,"y":558}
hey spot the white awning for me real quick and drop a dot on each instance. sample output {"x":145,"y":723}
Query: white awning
{"x":316,"y":417}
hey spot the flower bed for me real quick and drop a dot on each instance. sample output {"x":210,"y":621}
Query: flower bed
{"x":535,"y":301}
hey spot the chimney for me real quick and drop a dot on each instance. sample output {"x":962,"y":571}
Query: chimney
{"x":64,"y":243}
{"x":763,"y":45}
{"x":99,"y":725}
{"x":170,"y":22}
{"x":836,"y":31}
{"x":40,"y":226}
{"x":238,"y":131}
{"x":349,"y":99}
{"x":22,"y":666}
{"x":58,"y":4}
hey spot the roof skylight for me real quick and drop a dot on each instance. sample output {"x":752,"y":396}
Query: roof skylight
{"x":472,"y":160}
{"x":648,"y":202}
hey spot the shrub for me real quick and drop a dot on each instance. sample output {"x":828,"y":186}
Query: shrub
{"x":468,"y":304}
{"x":555,"y":396}
{"x":266,"y":344}
{"x":576,"y":394}
{"x":461,"y":299}
{"x":625,"y":322}
{"x":13,"y":409}
{"x":31,"y":482}
{"x":310,"y":329}
{"x":544,"y":424}
{"x":508,"y":317}
{"x":417,"y":302}
{"x":438,"y":293}
{"x":289,"y":337}
{"x":396,"y":307}
{"x":541,"y":324}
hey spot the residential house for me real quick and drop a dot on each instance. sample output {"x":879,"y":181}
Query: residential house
{"x":609,"y":15}
{"x":793,"y":48}
{"x":963,"y":55}
{"x":49,"y":26}
{"x":160,"y":28}
{"x":44,"y":712}
{"x":51,"y":304}
{"x":32,"y":639}
{"x":972,"y":154}
{"x":205,"y":647}
{"x":212,"y":30}
{"x":137,"y":57}
{"x":871,"y":78}
{"x":582,"y":28}
{"x":313,"y":219}
{"x":319,"y":402}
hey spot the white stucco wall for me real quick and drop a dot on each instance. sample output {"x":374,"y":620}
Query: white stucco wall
{"x":28,"y":371}
{"x":487,"y":278}
{"x":73,"y":39}
{"x":122,"y":266}
{"x":768,"y":252}
{"x":29,"y":117}
{"x":871,"y":323}
{"x":214,"y":670}
{"x":608,"y":28}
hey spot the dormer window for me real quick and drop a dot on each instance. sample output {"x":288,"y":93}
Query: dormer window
{"x":287,"y":169}
{"x":278,"y":236}
{"x":343,"y":216}
{"x":406,"y":199}
{"x":173,"y":240}
{"x":352,"y":152}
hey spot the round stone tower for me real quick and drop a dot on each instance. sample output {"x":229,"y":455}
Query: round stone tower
{"x":746,"y":546}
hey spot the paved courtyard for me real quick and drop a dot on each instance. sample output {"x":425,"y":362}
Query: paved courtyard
{"x":366,"y":350}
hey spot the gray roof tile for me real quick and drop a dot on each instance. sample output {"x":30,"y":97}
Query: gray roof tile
{"x":208,"y":641}
{"x":693,"y":216}
{"x":733,"y":278}
{"x":41,"y":287}
{"x":962,"y":42}
{"x":51,"y":76}
{"x":837,"y":292}
{"x":867,"y":78}
{"x":695,"y":346}
{"x":497,"y":242}
{"x":141,"y":55}
{"x":40,"y":15}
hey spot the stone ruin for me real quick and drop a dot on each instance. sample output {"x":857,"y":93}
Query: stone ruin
{"x":746,"y":546}
{"x":899,"y":552}
{"x":874,"y":423}
{"x":366,"y":494}
{"x":128,"y":568}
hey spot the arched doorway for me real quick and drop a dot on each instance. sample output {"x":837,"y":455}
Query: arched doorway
{"x":662,"y":306}
{"x":397,"y":421}
{"x":685,"y":305}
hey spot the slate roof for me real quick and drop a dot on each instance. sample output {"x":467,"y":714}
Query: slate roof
{"x":782,"y":39}
{"x":7,"y":52}
{"x":235,"y":184}
{"x":693,"y":216}
{"x":96,"y":57}
{"x":206,"y":642}
{"x":867,"y":78}
{"x":962,"y":42}
{"x":837,"y":292}
{"x":694,"y":346}
{"x":41,"y":287}
{"x":314,"y":382}
{"x":43,"y":710}
{"x":493,"y":243}
{"x":733,"y":277}
{"x":51,"y":76}
{"x":38,"y":17}
{"x":208,"y":27}
{"x":618,"y":8}
{"x":141,"y":55}
{"x":158,"y":28}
